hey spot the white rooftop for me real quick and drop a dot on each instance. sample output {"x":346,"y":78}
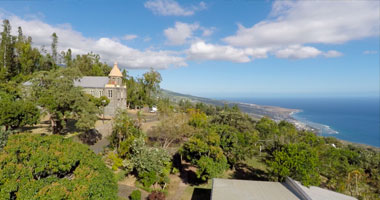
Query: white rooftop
{"x":226,"y":189}
{"x":317,"y":193}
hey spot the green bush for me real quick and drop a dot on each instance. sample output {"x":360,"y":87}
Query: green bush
{"x":148,"y":178}
{"x":298,"y":161}
{"x":4,"y":137}
{"x":116,"y":161}
{"x":205,"y":153}
{"x":119,"y":176}
{"x":135,"y":195}
{"x":52,"y":167}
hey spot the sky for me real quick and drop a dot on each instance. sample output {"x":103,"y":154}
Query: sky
{"x":220,"y":49}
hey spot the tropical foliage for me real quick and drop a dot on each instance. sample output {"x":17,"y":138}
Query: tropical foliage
{"x":51,"y":167}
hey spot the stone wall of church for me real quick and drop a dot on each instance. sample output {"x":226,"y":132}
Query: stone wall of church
{"x":118,"y":100}
{"x":96,"y":92}
{"x":116,"y":95}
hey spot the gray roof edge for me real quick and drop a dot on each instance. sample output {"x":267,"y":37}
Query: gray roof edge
{"x":297,"y":189}
{"x":212,"y":188}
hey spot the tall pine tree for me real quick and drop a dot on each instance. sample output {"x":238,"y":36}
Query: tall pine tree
{"x":7,"y":53}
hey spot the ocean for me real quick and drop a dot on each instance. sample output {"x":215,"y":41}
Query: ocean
{"x":351,"y":119}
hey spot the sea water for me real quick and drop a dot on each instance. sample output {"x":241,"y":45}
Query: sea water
{"x":352,"y":119}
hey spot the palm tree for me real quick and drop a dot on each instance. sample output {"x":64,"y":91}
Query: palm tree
{"x":357,"y":174}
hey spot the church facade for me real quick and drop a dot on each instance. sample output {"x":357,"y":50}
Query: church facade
{"x":110,"y":86}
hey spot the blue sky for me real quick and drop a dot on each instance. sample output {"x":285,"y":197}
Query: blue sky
{"x":221,"y":48}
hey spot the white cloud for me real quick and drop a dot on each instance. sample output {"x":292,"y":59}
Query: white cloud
{"x":301,"y":22}
{"x":130,"y":37}
{"x":202,"y":51}
{"x":293,"y":26}
{"x":302,"y":52}
{"x":171,"y":7}
{"x":110,"y":50}
{"x":207,"y":31}
{"x":180,"y":33}
{"x":298,"y":52}
{"x":370,"y":52}
{"x":332,"y":54}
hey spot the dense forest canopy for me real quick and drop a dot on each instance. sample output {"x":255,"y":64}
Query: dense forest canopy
{"x":51,"y":167}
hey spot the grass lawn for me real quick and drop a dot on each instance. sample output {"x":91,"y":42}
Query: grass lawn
{"x":257,"y":163}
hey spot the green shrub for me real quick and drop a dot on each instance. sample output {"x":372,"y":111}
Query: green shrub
{"x":148,"y":178}
{"x":205,"y":153}
{"x":135,"y":195}
{"x":120,"y":175}
{"x":51,"y":167}
{"x":116,"y":161}
{"x":298,"y":161}
{"x":152,"y":165}
{"x":4,"y":137}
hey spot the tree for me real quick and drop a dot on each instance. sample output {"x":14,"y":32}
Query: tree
{"x":151,"y":82}
{"x":288,"y":132}
{"x":208,"y":109}
{"x":336,"y":165}
{"x":237,"y":146}
{"x":4,"y":137}
{"x":174,"y":128}
{"x":88,"y":64}
{"x":298,"y":161}
{"x":51,"y":167}
{"x":198,"y":118}
{"x":28,"y":58}
{"x":135,"y":93}
{"x":152,"y":165}
{"x":100,"y":102}
{"x":233,"y":117}
{"x":164,"y":107}
{"x":269,"y":133}
{"x":67,"y":58}
{"x":16,"y":112}
{"x":356,"y":175}
{"x":56,"y":93}
{"x":267,"y":128}
{"x":123,"y":128}
{"x":185,"y":105}
{"x":7,"y":53}
{"x":205,"y":153}
{"x":54,"y":51}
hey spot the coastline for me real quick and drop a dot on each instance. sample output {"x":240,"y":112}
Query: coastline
{"x":274,"y":112}
{"x":278,"y":114}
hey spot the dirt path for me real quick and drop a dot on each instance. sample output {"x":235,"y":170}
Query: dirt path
{"x":176,"y":188}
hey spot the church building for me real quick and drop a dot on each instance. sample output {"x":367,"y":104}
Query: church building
{"x":111,"y":87}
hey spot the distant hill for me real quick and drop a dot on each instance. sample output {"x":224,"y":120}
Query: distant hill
{"x":255,"y":111}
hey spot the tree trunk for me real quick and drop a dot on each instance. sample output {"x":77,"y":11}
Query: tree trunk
{"x":53,"y":125}
{"x":356,"y":184}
